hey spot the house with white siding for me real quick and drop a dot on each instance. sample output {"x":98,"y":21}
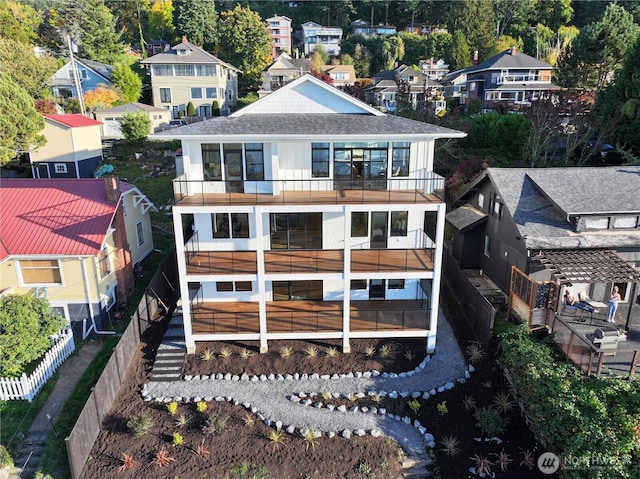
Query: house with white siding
{"x":314,"y":216}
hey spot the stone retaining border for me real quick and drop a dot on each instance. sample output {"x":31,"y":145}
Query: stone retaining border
{"x":305,"y":399}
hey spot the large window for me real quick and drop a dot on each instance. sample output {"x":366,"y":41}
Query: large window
{"x":104,"y":263}
{"x":360,"y":165}
{"x":206,"y":70}
{"x":42,"y":271}
{"x":359,"y":224}
{"x":296,"y":230}
{"x":400,"y":164}
{"x":163,"y":70}
{"x":184,"y":70}
{"x":211,"y":92}
{"x":230,"y":225}
{"x":320,"y":160}
{"x":165,"y":95}
{"x":399,"y":223}
{"x":395,"y":284}
{"x":297,"y":290}
{"x":211,"y":162}
{"x":254,"y":159}
{"x":196,"y":93}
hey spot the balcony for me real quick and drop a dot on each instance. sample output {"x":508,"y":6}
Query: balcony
{"x":429,"y":189}
{"x":310,"y":261}
{"x":309,"y":316}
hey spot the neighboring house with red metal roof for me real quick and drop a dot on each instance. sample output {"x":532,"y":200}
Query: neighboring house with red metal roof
{"x":73,"y":148}
{"x":74,"y":242}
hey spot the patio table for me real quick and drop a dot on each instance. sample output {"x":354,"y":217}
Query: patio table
{"x":602,"y":307}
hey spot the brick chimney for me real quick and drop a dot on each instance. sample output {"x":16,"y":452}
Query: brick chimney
{"x":513,"y":51}
{"x":112,"y":189}
{"x":121,"y":254}
{"x":474,"y":62}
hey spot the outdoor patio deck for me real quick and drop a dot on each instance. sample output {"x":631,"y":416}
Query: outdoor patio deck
{"x":334,"y":197}
{"x":574,"y":336}
{"x":309,"y":316}
{"x":310,"y":261}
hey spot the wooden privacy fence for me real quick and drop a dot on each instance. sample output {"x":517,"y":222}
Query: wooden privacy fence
{"x":478,"y":310}
{"x":27,"y":386}
{"x":161,"y":294}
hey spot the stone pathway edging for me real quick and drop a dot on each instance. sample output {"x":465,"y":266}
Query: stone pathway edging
{"x":274,"y":394}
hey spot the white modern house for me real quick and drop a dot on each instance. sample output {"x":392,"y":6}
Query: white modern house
{"x":314,"y":34}
{"x":314,"y":216}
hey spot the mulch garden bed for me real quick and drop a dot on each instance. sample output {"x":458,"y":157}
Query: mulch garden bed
{"x":240,"y":448}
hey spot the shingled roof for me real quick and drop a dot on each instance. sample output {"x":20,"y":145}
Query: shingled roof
{"x":196,"y":55}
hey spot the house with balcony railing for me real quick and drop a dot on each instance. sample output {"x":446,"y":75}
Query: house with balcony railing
{"x":511,"y":79}
{"x":314,"y":215}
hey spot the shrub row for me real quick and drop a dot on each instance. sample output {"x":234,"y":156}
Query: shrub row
{"x":591,"y":424}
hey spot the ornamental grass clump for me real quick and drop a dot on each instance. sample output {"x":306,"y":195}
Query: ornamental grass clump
{"x":311,"y":352}
{"x":450,"y":446}
{"x":207,"y":355}
{"x":285,"y":352}
{"x":489,"y":421}
{"x":276,"y":439}
{"x":128,"y":462}
{"x":140,"y":426}
{"x":332,"y":352}
{"x":226,"y":353}
{"x":162,"y":458}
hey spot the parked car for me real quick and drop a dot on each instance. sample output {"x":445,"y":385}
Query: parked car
{"x":176,"y":123}
{"x":604,"y":154}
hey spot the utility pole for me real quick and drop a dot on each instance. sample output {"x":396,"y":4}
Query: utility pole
{"x":76,"y":77}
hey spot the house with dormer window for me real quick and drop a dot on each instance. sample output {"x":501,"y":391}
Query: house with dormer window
{"x":185,"y":73}
{"x":585,"y":219}
{"x":510,"y":79}
{"x":314,"y":215}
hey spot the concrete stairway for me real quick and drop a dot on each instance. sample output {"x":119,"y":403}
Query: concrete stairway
{"x":171,"y":353}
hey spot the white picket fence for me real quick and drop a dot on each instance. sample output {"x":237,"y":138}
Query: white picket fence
{"x":26,"y":387}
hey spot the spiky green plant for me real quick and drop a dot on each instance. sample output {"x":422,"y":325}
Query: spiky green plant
{"x":385,"y":350}
{"x":207,"y":355}
{"x":182,"y":420}
{"x":469,"y":403}
{"x":245,"y":353}
{"x":409,"y":355}
{"x":285,"y":352}
{"x":369,"y":351}
{"x":226,"y":353}
{"x":475,"y":353}
{"x":276,"y":439}
{"x":214,"y":424}
{"x":503,"y":403}
{"x":310,"y":439}
{"x":450,"y":446}
{"x":332,"y":352}
{"x":326,"y":395}
{"x":528,"y":460}
{"x":482,"y":465}
{"x":376,"y":398}
{"x":311,"y":352}
{"x":248,"y":419}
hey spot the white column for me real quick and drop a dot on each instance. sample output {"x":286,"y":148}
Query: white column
{"x":262,"y":302}
{"x":346,"y":306}
{"x":437,"y":275}
{"x":184,"y":284}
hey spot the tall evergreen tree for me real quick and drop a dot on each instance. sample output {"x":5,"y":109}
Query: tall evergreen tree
{"x":598,"y":50}
{"x":196,"y":19}
{"x":619,"y":102}
{"x":20,"y":122}
{"x":476,"y":20}
{"x":460,"y":53}
{"x":91,"y":25}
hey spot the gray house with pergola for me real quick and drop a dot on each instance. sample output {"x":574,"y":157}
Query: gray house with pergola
{"x":577,"y":228}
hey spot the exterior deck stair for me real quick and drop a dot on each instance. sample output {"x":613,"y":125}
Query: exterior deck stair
{"x":171,"y":354}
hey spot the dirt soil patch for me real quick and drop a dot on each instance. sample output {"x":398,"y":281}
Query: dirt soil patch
{"x":239,"y":444}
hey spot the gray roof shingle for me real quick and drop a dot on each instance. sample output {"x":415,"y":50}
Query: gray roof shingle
{"x":132,"y":107}
{"x":331,"y":124}
{"x":507,"y":60}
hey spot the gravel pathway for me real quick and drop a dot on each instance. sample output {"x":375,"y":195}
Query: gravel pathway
{"x":272,"y":398}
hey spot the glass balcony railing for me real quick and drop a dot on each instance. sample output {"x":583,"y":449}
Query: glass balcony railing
{"x":427,"y":189}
